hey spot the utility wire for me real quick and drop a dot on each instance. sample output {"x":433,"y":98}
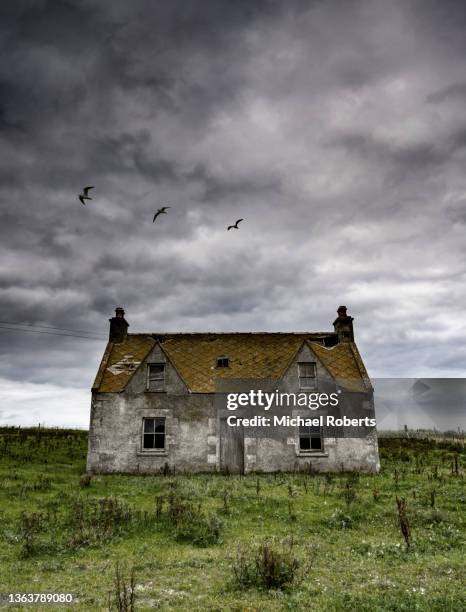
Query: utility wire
{"x":50,"y":333}
{"x":78,"y":331}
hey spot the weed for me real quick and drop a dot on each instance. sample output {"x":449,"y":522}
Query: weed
{"x":305,"y":485}
{"x":190,"y":523}
{"x":30,"y":526}
{"x":267,"y":567}
{"x":455,"y":469}
{"x":349,"y":493}
{"x":291,"y":511}
{"x":159,"y":501}
{"x":403,"y":520}
{"x":123,"y":597}
{"x":226,"y":502}
{"x":85,"y":481}
{"x":199,"y":528}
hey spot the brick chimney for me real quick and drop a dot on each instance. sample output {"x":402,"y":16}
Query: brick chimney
{"x":343,"y":325}
{"x":118,"y":326}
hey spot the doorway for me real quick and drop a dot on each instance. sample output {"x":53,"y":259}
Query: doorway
{"x":231,"y":448}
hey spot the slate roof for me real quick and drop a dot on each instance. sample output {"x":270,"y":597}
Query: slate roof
{"x":251,"y":355}
{"x":345,"y":364}
{"x":120,"y":361}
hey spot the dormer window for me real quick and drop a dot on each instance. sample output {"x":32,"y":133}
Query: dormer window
{"x":307,"y":375}
{"x":156,"y":377}
{"x":223,"y":362}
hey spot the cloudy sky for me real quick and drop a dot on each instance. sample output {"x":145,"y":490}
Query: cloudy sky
{"x":336,"y":129}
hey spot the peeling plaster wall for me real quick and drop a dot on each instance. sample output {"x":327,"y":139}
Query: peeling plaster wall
{"x":115,"y":438}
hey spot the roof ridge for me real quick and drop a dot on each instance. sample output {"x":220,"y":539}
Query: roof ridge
{"x":229,"y":333}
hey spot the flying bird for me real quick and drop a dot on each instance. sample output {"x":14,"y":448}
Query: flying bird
{"x":85,"y":195}
{"x":160,"y":211}
{"x":235,"y":225}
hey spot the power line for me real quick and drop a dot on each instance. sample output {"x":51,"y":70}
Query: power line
{"x":49,"y":333}
{"x":79,"y":331}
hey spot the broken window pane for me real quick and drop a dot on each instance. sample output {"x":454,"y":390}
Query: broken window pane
{"x":156,"y":377}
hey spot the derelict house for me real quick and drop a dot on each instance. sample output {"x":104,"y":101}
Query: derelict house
{"x":158,"y":401}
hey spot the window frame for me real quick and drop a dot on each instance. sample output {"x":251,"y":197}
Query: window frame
{"x":223,"y":358}
{"x":163,"y":378}
{"x":301,"y":364}
{"x":311,"y":435}
{"x":159,"y":449}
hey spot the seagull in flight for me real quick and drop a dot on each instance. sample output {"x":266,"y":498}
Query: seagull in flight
{"x":160,"y":211}
{"x":235,"y":225}
{"x":85,"y":195}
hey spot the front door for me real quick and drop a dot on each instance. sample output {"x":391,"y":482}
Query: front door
{"x":231,"y":448}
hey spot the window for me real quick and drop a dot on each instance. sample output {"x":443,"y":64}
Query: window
{"x":153,"y":436}
{"x":307,"y":375}
{"x":156,"y":377}
{"x":310,"y":438}
{"x":223,"y":362}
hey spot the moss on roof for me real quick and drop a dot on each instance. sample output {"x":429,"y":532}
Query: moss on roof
{"x":251,"y":355}
{"x":120,"y":361}
{"x":345,"y":365}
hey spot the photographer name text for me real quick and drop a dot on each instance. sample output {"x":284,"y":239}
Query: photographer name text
{"x":298,"y":421}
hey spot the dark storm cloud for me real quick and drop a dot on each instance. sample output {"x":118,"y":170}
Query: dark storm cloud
{"x":335,"y":129}
{"x":457,"y":91}
{"x":215,"y":190}
{"x":425,"y":156}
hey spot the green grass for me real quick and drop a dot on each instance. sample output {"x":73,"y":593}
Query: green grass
{"x":344,"y":528}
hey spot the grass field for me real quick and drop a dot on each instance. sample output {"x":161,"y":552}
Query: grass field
{"x":329,"y":542}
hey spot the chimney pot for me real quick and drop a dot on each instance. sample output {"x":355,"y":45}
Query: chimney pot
{"x":342,"y":311}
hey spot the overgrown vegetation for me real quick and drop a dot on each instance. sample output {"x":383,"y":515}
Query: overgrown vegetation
{"x":268,"y":566}
{"x":300,"y":541}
